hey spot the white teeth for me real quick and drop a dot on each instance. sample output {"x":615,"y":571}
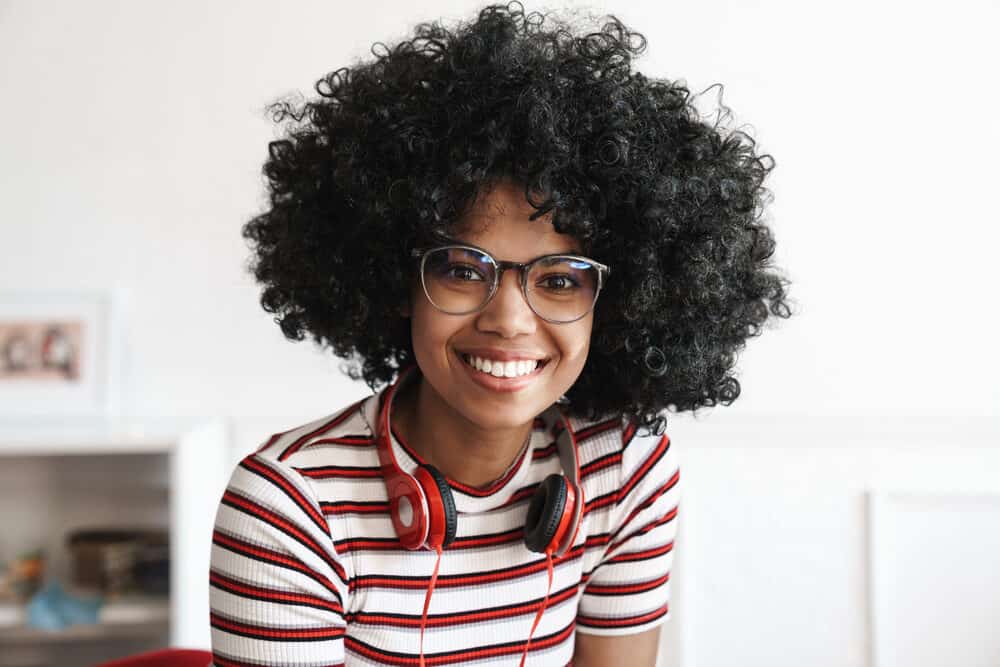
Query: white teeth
{"x":501,"y":369}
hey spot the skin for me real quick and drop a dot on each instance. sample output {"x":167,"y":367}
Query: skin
{"x":638,"y":649}
{"x":471,"y":434}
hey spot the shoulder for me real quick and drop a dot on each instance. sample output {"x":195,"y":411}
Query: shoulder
{"x":296,"y":446}
{"x":616,"y":456}
{"x":615,"y":435}
{"x":290,"y":463}
{"x":287,"y":479}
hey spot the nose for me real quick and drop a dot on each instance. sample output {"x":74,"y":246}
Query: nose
{"x":507,"y":313}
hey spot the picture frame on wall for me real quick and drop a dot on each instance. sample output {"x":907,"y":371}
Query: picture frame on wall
{"x":58,"y":353}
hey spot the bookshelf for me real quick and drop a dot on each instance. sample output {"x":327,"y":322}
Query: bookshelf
{"x":58,"y":476}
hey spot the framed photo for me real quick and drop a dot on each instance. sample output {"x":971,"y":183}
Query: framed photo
{"x":57,"y":353}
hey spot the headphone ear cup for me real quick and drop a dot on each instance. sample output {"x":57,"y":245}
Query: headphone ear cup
{"x":545,"y":513}
{"x":447,"y":502}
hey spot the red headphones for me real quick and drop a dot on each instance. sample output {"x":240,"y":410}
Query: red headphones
{"x":423,"y":509}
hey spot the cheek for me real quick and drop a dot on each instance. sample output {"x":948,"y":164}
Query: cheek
{"x":423,"y":328}
{"x":574,"y":343}
{"x":432,"y":330}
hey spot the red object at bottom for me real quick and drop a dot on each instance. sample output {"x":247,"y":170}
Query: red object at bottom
{"x":170,"y":657}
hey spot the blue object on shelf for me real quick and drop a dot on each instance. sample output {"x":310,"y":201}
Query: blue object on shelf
{"x":53,"y":609}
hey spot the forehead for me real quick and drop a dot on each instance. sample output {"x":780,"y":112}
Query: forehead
{"x":500,"y":221}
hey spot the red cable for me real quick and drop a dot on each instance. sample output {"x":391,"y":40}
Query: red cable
{"x":541,"y":610}
{"x":427,"y":602}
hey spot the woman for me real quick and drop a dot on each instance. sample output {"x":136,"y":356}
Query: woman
{"x":530,"y":252}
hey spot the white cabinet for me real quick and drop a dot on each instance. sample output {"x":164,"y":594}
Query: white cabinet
{"x":77,"y":474}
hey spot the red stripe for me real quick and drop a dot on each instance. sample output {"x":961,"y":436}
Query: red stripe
{"x":642,"y":555}
{"x":596,"y":429}
{"x":521,"y":494}
{"x":282,"y":634}
{"x":368,"y":544}
{"x":392,"y":543}
{"x":281,"y":597}
{"x":592,"y":504}
{"x":277,"y":559}
{"x":648,"y":502}
{"x":600,"y":464}
{"x":253,"y":463}
{"x":442,"y":620}
{"x":666,"y":518}
{"x":628,"y":433}
{"x":506,"y":537}
{"x":653,"y":458}
{"x":220,"y":661}
{"x":622,"y":622}
{"x":494,"y":486}
{"x":453,"y":657}
{"x":350,"y":440}
{"x":626,"y":589}
{"x":544,"y":452}
{"x":601,"y":501}
{"x":333,"y":423}
{"x":455,"y":580}
{"x":336,"y":508}
{"x":270,"y":441}
{"x":346,"y":472}
{"x":279,"y":521}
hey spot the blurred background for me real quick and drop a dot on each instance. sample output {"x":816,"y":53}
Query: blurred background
{"x":843,"y":512}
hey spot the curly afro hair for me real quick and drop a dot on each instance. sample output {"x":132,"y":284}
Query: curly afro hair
{"x":395,"y":149}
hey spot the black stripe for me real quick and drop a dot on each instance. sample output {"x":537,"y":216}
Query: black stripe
{"x":483,"y":610}
{"x":261,"y":636}
{"x":263,"y":598}
{"x":314,"y":548}
{"x":300,"y":502}
{"x":616,"y":623}
{"x":307,"y":571}
{"x":474,"y":651}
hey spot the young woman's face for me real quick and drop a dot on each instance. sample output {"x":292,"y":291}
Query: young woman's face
{"x":505,"y":329}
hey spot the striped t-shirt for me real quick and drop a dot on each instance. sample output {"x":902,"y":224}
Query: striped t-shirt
{"x":307,"y":569}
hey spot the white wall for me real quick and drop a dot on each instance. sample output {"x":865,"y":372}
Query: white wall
{"x":132,"y":137}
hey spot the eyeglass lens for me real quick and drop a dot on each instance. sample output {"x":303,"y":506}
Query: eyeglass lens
{"x":460,"y":280}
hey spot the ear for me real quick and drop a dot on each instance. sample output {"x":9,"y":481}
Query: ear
{"x":404,"y":310}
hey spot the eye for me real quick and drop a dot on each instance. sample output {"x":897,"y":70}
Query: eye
{"x":558,"y":282}
{"x":463,"y":273}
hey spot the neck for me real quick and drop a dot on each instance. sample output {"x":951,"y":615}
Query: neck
{"x":462,"y":450}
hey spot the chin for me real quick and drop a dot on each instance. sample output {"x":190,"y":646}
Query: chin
{"x":501,"y":417}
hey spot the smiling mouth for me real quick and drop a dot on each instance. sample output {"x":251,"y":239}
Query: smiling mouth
{"x":504,"y":369}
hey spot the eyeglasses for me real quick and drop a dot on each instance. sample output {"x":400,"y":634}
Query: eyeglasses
{"x":462,"y":279}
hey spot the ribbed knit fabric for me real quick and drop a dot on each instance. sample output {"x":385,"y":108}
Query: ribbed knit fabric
{"x":307,"y":571}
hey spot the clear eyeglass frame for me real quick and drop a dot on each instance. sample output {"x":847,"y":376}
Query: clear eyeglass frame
{"x":499,"y":265}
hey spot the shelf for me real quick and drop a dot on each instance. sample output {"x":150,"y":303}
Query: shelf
{"x":126,"y":619}
{"x":164,"y":471}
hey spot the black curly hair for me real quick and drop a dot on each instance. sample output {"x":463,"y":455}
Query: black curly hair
{"x":395,"y":149}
